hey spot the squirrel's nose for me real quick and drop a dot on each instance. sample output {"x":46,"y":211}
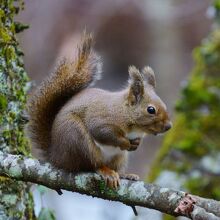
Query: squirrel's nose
{"x":167,"y":126}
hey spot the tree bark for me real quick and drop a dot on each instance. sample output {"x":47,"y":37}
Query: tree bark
{"x":15,"y":198}
{"x":130,"y":193}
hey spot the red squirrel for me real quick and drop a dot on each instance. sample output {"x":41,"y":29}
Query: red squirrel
{"x":84,"y":129}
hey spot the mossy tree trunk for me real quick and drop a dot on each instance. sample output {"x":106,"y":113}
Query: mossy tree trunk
{"x":15,"y":198}
{"x":190,"y":155}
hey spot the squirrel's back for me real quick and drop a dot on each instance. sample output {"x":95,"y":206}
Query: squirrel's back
{"x":68,"y":79}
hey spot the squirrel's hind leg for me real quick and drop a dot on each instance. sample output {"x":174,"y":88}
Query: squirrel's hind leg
{"x":72,"y":148}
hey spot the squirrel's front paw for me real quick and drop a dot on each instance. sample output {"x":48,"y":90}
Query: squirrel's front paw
{"x":111,"y":178}
{"x":134,"y":144}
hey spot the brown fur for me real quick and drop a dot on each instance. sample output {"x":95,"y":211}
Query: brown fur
{"x":68,"y":79}
{"x":77,"y":126}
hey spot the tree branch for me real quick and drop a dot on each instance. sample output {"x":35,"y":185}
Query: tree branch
{"x":130,"y":193}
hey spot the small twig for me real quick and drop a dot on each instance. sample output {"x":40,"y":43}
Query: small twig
{"x":134,"y":210}
{"x":59,"y":191}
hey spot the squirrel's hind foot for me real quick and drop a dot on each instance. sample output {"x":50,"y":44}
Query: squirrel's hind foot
{"x":110,"y":177}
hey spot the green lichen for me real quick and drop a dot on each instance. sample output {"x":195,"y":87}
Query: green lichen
{"x":103,"y":189}
{"x":9,"y":199}
{"x":15,"y":171}
{"x":15,"y":198}
{"x":195,"y":134}
{"x":81,"y":181}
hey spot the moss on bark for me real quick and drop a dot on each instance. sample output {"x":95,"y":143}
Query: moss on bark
{"x":15,"y":198}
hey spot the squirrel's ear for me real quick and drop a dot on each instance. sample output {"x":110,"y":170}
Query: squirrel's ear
{"x":149,"y":76}
{"x":136,"y":85}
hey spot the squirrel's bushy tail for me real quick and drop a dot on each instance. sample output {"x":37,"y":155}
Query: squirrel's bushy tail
{"x":68,"y":79}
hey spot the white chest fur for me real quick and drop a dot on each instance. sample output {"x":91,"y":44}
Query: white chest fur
{"x":109,"y":152}
{"x":135,"y":134}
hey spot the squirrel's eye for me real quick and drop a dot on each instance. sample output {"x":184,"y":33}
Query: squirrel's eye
{"x":151,"y":110}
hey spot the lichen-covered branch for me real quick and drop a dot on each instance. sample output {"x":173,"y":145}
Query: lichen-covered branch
{"x":130,"y":193}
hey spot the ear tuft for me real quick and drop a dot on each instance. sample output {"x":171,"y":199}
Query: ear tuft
{"x":149,"y":76}
{"x":134,"y":73}
{"x":136,"y":85}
